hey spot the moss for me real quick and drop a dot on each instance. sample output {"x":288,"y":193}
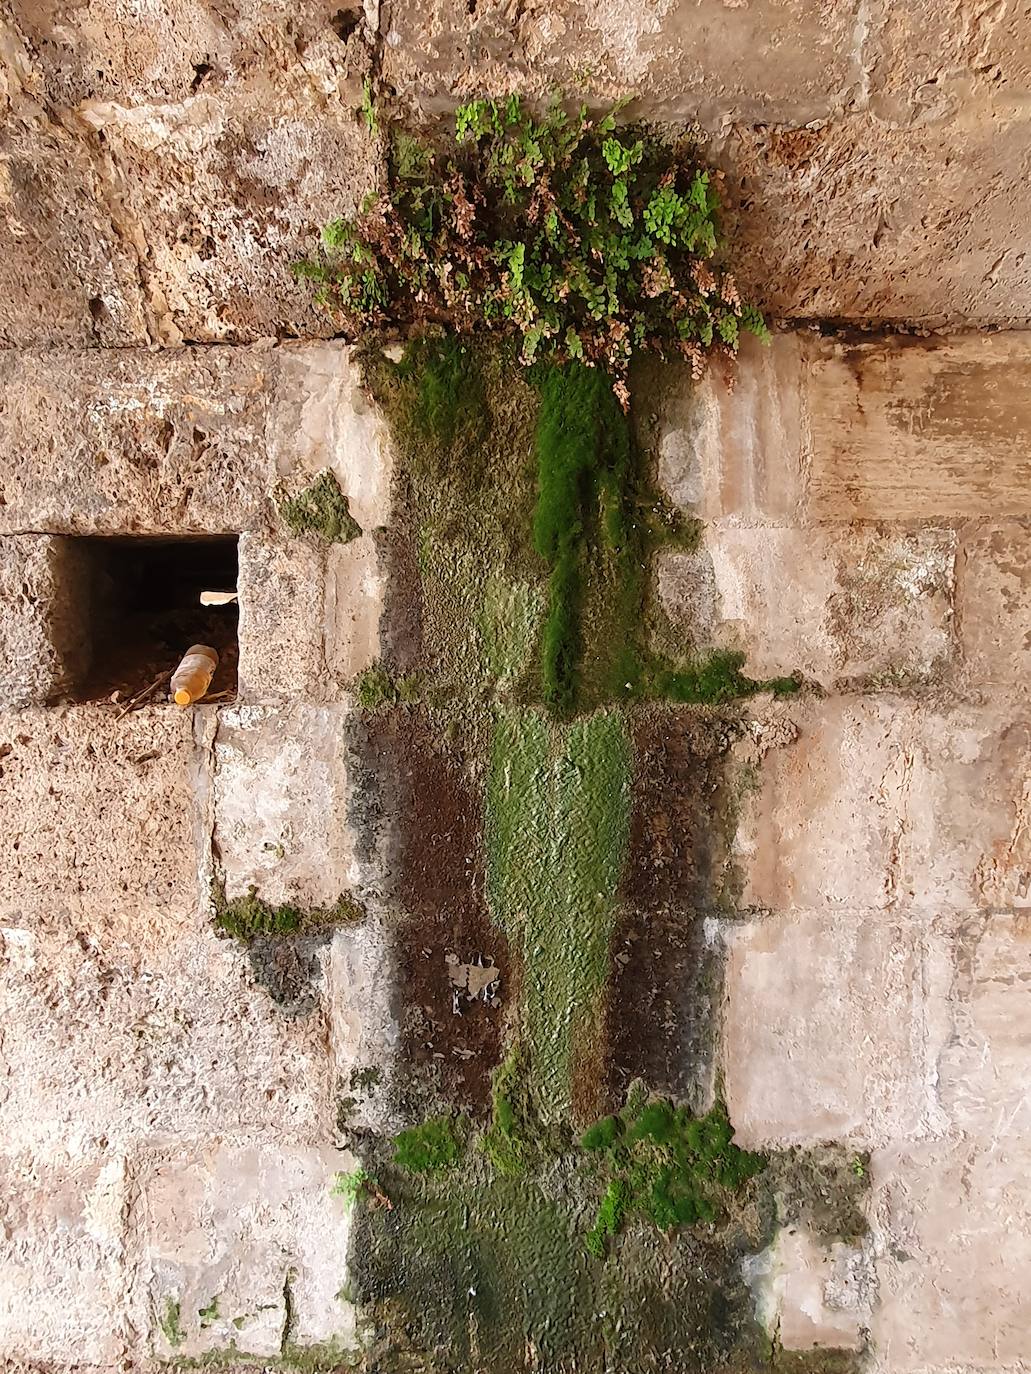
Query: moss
{"x":322,"y":511}
{"x":377,"y":686}
{"x":250,"y":917}
{"x":666,"y":1165}
{"x":435,"y":1144}
{"x":557,"y":819}
{"x":171,"y":1324}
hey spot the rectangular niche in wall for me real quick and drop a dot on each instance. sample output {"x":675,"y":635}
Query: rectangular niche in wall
{"x":143,"y":606}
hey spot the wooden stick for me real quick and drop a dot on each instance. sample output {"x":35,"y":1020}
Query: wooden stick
{"x":140,"y":696}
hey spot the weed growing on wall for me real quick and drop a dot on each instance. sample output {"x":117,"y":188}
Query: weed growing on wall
{"x":251,"y":916}
{"x":584,"y":239}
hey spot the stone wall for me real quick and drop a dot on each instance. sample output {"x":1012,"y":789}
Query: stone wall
{"x":171,"y":1101}
{"x":160,"y":166}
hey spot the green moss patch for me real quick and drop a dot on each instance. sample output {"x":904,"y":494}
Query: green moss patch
{"x":322,"y":511}
{"x":666,"y":1165}
{"x":557,"y":811}
{"x":435,"y":1144}
{"x":250,"y":916}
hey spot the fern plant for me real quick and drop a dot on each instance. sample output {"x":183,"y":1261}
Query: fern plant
{"x":586,"y":239}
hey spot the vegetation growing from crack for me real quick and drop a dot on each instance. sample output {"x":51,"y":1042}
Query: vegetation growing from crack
{"x":251,"y":917}
{"x":170,"y":1322}
{"x":322,"y":511}
{"x":582,"y":238}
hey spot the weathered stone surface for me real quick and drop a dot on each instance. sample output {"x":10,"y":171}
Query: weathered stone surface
{"x":62,"y":1259}
{"x":282,"y":629}
{"x":993,"y":602}
{"x":829,"y":1029}
{"x":131,"y":441}
{"x":137,"y":1035}
{"x":885,"y":804}
{"x":835,"y":603}
{"x":815,"y":429}
{"x":280,"y":803}
{"x":955,"y":1231}
{"x":69,"y":273}
{"x":253,"y":1230}
{"x":44,"y":644}
{"x":226,"y":194}
{"x":733,"y":442}
{"x":99,"y":816}
{"x":812,"y":1294}
{"x":906,"y":429}
{"x":364,"y":1011}
{"x":985,"y":1066}
{"x":178,"y":49}
{"x":324,"y":421}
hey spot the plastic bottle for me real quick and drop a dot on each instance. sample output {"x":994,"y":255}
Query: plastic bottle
{"x":193,"y":676}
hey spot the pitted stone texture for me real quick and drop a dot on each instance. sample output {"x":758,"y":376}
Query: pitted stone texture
{"x":44,"y":643}
{"x":280,"y":797}
{"x":117,"y":442}
{"x":255,"y":1227}
{"x":908,"y":429}
{"x":62,"y":1259}
{"x":887,"y":804}
{"x":69,"y":274}
{"x":177,"y":49}
{"x":993,"y":601}
{"x":226,"y":194}
{"x":119,"y":1038}
{"x":831,"y":1031}
{"x":954,"y":1230}
{"x":324,"y":421}
{"x":835,"y":603}
{"x":99,"y":817}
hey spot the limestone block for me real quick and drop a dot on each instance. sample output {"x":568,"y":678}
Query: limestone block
{"x":985,"y":1067}
{"x":176,"y":49}
{"x":811,"y":1294}
{"x":954,"y":1229}
{"x":880,"y":803}
{"x":280,"y":803}
{"x":282,"y":632}
{"x":44,"y":647}
{"x":62,"y":1259}
{"x":311,"y":615}
{"x":365,"y":1033}
{"x":125,"y":441}
{"x":68,"y":274}
{"x":226,"y":192}
{"x":99,"y":817}
{"x":834,"y":603}
{"x":830,"y":1030}
{"x":731,"y":444}
{"x":119,"y":1038}
{"x":781,"y":63}
{"x":323,"y":420}
{"x":993,"y":601}
{"x":914,"y":429}
{"x":244,"y":1244}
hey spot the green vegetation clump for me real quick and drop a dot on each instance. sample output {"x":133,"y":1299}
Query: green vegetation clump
{"x":666,"y":1165}
{"x":432,"y":1145}
{"x":351,"y":1184}
{"x":377,"y":686}
{"x":250,"y":916}
{"x":583,"y":239}
{"x":321,"y":510}
{"x":171,"y":1323}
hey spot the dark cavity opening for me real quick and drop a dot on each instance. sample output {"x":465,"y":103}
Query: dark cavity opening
{"x":142,"y":598}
